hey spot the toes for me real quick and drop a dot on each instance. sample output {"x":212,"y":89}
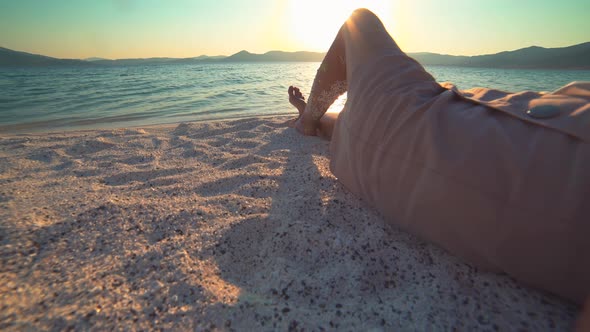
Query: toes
{"x":294,"y":92}
{"x":298,"y":93}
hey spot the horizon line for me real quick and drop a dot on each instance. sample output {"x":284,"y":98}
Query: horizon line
{"x":275,"y":50}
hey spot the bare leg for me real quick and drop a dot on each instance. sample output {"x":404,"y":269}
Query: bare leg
{"x":328,"y":85}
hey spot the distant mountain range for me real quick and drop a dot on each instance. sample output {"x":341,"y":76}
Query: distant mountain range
{"x":22,"y":59}
{"x":571,"y":57}
{"x":275,"y":56}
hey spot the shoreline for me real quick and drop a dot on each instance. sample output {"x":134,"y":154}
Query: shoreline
{"x":91,"y":128}
{"x":229,"y":224}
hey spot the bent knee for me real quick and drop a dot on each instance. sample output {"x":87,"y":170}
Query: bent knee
{"x":363,"y":14}
{"x":363,"y":19}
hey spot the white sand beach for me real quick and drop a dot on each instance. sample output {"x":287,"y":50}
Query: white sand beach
{"x":234,"y":225}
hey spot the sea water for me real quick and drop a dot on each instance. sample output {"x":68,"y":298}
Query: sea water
{"x":66,"y":98}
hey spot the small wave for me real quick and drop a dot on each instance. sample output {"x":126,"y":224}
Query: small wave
{"x":201,"y":113}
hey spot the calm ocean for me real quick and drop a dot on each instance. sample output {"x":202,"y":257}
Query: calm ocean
{"x":56,"y":99}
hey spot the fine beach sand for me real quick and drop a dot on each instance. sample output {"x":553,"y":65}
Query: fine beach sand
{"x":235,"y":225}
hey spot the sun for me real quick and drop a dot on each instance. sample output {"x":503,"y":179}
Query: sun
{"x":314,"y":23}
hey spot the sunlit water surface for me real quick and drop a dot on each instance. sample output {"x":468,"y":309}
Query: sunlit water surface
{"x":55,"y":99}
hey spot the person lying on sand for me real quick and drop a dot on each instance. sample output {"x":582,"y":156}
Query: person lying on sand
{"x":500,"y":179}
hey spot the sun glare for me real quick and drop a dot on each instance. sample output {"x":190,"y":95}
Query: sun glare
{"x":314,"y":23}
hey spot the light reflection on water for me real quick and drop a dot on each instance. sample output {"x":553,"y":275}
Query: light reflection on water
{"x":49,"y":99}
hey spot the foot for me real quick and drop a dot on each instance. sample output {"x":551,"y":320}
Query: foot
{"x":304,"y":125}
{"x":296,"y":99}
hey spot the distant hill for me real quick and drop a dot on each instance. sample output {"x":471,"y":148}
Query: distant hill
{"x":207,"y":57}
{"x":94,"y":59}
{"x":571,"y":57}
{"x":12,"y":58}
{"x":151,"y":61}
{"x":272,"y":56}
{"x":126,"y":62}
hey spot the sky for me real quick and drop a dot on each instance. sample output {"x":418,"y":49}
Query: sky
{"x":185,"y":28}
